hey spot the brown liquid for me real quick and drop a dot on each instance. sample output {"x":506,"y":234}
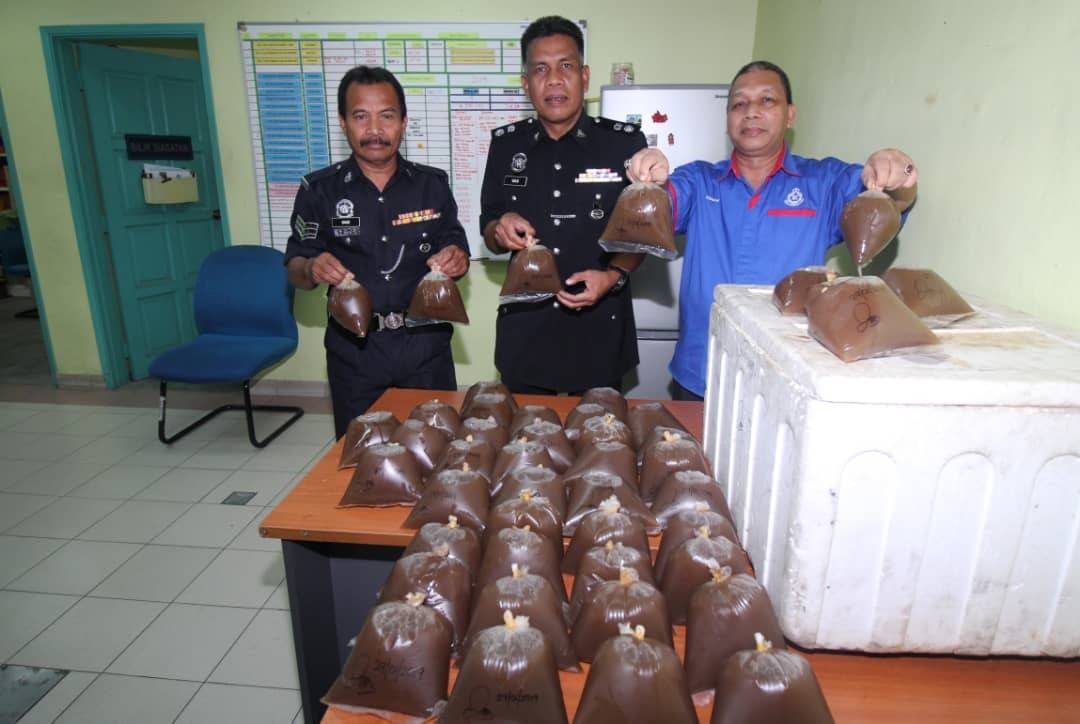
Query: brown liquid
{"x":597,"y":529}
{"x":607,"y":397}
{"x":509,"y":677}
{"x":855,"y":318}
{"x":531,"y":276}
{"x":526,"y":595}
{"x":527,"y":549}
{"x":869,"y":222}
{"x":641,"y":223}
{"x":615,"y":458}
{"x":481,"y":387}
{"x":440,"y":415}
{"x":636,"y":681}
{"x":365,"y":430}
{"x":663,"y":456}
{"x":452,"y":492}
{"x":683,"y":489}
{"x":587,"y":491}
{"x":490,"y":404}
{"x":683,"y":526}
{"x":515,"y":456}
{"x":477,"y":454}
{"x":462,"y":544}
{"x":425,"y":443}
{"x":385,"y":475}
{"x":436,"y":299}
{"x":647,"y":416}
{"x":612,"y":603}
{"x":527,"y":414}
{"x":925,"y":293}
{"x":551,"y":436}
{"x":349,"y":304}
{"x":577,"y":417}
{"x":724,"y":615}
{"x":486,"y":429}
{"x":539,"y":514}
{"x":602,"y":564}
{"x":768,"y":687}
{"x":688,"y":568}
{"x":789,"y":294}
{"x":400,"y":662}
{"x":444,"y":580}
{"x":602,"y":429}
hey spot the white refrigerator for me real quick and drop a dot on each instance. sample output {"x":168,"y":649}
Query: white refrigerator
{"x":688,"y":123}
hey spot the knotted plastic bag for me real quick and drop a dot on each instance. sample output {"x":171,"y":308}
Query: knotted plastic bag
{"x":690,"y":566}
{"x":683,"y":490}
{"x":461,"y":543}
{"x":528,"y":510}
{"x":646,"y":417}
{"x":927,"y":295}
{"x":371,"y":428}
{"x":531,"y":276}
{"x":666,"y":453}
{"x":590,"y":491}
{"x":385,"y":475}
{"x":515,"y":455}
{"x":553,"y":437}
{"x":460,"y":493}
{"x":541,"y":481}
{"x":607,"y":523}
{"x":789,"y":294}
{"x":444,"y":580}
{"x":349,"y":304}
{"x":684,"y":525}
{"x":486,"y":429}
{"x":436,"y":300}
{"x":616,"y":458}
{"x":426,"y":443}
{"x":626,"y":600}
{"x":602,"y":563}
{"x":525,"y":548}
{"x":441,"y":415}
{"x":606,"y":428}
{"x":641,"y":222}
{"x":528,"y":414}
{"x":869,"y":222}
{"x":607,"y":397}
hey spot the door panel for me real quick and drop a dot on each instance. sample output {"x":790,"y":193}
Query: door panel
{"x":156,"y":248}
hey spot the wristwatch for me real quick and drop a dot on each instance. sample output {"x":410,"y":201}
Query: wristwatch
{"x":624,"y":276}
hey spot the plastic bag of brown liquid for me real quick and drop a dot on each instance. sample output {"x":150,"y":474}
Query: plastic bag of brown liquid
{"x":490,"y":404}
{"x":602,"y":563}
{"x":476,"y":454}
{"x":869,"y":222}
{"x":860,"y":317}
{"x":626,"y":600}
{"x":609,"y":398}
{"x":527,"y":549}
{"x":524,"y":594}
{"x":684,"y":525}
{"x":648,"y":416}
{"x":789,"y":294}
{"x":531,"y":276}
{"x":462,"y":544}
{"x":515,"y":455}
{"x":672,"y":452}
{"x":764,"y":686}
{"x":615,"y":458}
{"x":683,"y":489}
{"x":385,"y":475}
{"x":543,"y":482}
{"x":425,"y":443}
{"x":588,"y":492}
{"x":928,"y":295}
{"x":486,"y":429}
{"x":641,"y":223}
{"x":400,"y":662}
{"x":441,"y":415}
{"x":635,"y":679}
{"x":508,"y":677}
{"x":460,"y":493}
{"x":724,"y":614}
{"x":536,"y":513}
{"x":371,"y":428}
{"x":609,"y":522}
{"x":478,"y":388}
{"x":349,"y":304}
{"x":553,"y":437}
{"x":602,"y":429}
{"x":445,"y":582}
{"x":528,"y":414}
{"x":689,"y":567}
{"x":577,"y":417}
{"x":436,"y":300}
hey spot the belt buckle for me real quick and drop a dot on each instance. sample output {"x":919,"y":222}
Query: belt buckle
{"x":394,"y":320}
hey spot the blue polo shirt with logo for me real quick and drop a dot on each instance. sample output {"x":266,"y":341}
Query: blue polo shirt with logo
{"x":735,"y":235}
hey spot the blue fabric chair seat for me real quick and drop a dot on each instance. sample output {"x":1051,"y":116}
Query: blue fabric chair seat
{"x":217,"y":358}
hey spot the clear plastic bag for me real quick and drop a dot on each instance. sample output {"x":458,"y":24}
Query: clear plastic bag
{"x":462,"y":543}
{"x":869,"y":222}
{"x":626,"y":600}
{"x":479,"y":388}
{"x":789,"y":294}
{"x":517,"y":454}
{"x":460,"y":493}
{"x":666,"y":453}
{"x":607,"y":523}
{"x":929,"y":296}
{"x":684,"y":525}
{"x":579,"y":415}
{"x":467,"y":454}
{"x":441,"y":415}
{"x":487,"y":429}
{"x":641,"y":223}
{"x":684,"y":490}
{"x":444,"y":580}
{"x":531,"y":276}
{"x":371,"y":428}
{"x":607,"y":397}
{"x":386,"y":475}
{"x":498,"y":405}
{"x":553,"y":437}
{"x":543,"y":482}
{"x":602,"y":429}
{"x":590,"y":491}
{"x":436,"y":300}
{"x":537,"y":513}
{"x":646,"y":417}
{"x":528,"y":550}
{"x":616,"y":458}
{"x":349,"y":304}
{"x":425,"y":443}
{"x":602,"y":563}
{"x":690,"y":565}
{"x":528,"y":414}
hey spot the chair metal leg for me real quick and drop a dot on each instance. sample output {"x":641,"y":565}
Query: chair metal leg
{"x":247,"y":407}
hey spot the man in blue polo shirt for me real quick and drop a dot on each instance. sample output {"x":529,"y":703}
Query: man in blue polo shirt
{"x":762,"y":214}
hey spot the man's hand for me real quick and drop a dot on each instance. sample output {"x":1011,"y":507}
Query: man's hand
{"x":451,"y":261}
{"x":649,"y":165}
{"x":512,"y":230}
{"x":597,"y":284}
{"x":888,"y":170}
{"x":325,"y":268}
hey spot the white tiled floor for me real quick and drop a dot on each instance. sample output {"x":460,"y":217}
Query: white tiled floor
{"x":119,"y":563}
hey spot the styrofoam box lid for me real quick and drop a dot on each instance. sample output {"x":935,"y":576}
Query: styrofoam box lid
{"x":996,"y":357}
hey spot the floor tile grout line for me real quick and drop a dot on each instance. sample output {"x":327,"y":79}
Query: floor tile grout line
{"x":97,"y":675}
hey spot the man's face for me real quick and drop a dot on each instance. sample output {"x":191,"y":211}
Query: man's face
{"x":555,"y":78}
{"x":758,"y":113}
{"x":373,"y":122}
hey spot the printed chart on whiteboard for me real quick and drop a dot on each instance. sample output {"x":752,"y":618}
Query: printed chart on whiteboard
{"x":461,"y":80}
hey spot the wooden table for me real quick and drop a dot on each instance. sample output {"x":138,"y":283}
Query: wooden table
{"x":336,"y":560}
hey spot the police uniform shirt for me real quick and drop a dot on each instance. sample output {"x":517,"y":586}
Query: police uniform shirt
{"x":383,"y":237}
{"x":566,"y":189}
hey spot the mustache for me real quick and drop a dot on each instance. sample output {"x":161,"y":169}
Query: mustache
{"x":374,"y":142}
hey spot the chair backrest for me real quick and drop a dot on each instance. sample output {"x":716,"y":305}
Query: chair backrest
{"x":12,"y":250}
{"x":244,"y":291}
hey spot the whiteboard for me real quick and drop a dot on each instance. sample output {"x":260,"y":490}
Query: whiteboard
{"x":461,"y":80}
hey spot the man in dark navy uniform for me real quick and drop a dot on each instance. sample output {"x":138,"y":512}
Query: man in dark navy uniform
{"x":556,"y":178}
{"x":384,"y":221}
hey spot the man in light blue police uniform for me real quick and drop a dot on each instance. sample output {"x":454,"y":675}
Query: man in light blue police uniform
{"x":762,"y":214}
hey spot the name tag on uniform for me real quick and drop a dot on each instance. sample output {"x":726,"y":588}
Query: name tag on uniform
{"x":518,"y":181}
{"x":598,"y":176}
{"x":345,"y":226}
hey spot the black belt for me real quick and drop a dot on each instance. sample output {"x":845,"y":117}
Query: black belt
{"x":389,"y":320}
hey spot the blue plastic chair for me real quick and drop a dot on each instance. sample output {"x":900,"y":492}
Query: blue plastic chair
{"x":243,"y":311}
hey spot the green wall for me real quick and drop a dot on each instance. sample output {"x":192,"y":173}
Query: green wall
{"x":984,"y":97}
{"x":691,"y":41}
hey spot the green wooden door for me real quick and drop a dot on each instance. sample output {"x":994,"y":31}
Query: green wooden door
{"x":156,"y":249}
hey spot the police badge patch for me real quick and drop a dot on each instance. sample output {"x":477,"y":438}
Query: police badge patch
{"x":344,"y":208}
{"x":517,"y":163}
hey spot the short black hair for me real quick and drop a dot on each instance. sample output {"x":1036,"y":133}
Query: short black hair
{"x":766,"y":65}
{"x":550,"y":25}
{"x":368,"y":75}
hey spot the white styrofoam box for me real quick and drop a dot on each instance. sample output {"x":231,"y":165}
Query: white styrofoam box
{"x":923,"y":503}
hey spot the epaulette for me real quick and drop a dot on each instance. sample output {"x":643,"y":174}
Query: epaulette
{"x":616,"y":126}
{"x":423,"y":168}
{"x":330,"y":170}
{"x":512,"y":127}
